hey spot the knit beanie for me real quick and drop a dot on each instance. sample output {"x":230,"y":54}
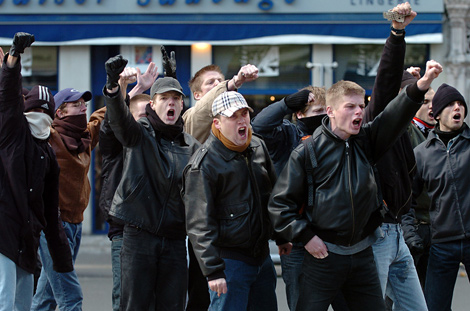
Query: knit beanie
{"x":445,"y":95}
{"x":407,"y":78}
{"x":40,"y":97}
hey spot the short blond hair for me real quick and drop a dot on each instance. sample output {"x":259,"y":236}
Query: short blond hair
{"x":319,"y":94}
{"x":138,"y":98}
{"x":340,"y":89}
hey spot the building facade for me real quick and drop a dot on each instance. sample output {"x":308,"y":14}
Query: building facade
{"x":294,"y":43}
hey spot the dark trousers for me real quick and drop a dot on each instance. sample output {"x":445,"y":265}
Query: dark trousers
{"x":443,"y":268}
{"x":421,"y":260}
{"x":152,"y":268}
{"x":355,"y":275}
{"x":198,"y":290}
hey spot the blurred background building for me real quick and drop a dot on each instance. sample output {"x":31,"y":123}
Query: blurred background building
{"x":294,"y":43}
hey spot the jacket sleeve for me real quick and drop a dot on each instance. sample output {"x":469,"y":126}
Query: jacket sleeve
{"x":94,"y":126}
{"x":393,"y":121}
{"x":198,"y":119}
{"x":201,"y":221}
{"x":287,"y":198}
{"x":389,"y":75}
{"x":57,"y":241}
{"x":125,"y":127}
{"x":11,"y":104}
{"x":269,"y":124}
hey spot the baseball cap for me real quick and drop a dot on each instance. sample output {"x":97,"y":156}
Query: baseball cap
{"x":228,"y":103}
{"x":70,"y":95}
{"x":166,"y":84}
{"x":40,"y":97}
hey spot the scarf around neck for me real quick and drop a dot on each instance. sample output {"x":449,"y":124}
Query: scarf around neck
{"x":72,"y":130}
{"x":167,"y":131}
{"x":39,"y":124}
{"x":227,"y":143}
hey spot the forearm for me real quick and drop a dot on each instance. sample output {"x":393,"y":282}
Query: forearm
{"x":121,"y":121}
{"x":389,"y":75}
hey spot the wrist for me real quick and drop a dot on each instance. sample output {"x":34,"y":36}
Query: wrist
{"x":397,"y":32}
{"x":236,"y":83}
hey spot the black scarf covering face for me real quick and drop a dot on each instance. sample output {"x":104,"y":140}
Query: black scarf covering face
{"x":312,"y":122}
{"x":72,"y":130}
{"x":166,"y":131}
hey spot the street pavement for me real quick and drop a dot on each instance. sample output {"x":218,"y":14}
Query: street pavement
{"x":93,"y":267}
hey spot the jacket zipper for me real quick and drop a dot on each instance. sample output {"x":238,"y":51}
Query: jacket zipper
{"x":257,"y":196}
{"x":172,"y":170}
{"x":350,"y":193}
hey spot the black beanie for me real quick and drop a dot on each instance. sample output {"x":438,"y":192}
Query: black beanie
{"x":40,"y":97}
{"x":407,"y":78}
{"x":445,"y":95}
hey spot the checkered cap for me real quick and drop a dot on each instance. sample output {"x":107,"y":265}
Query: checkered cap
{"x":228,"y":103}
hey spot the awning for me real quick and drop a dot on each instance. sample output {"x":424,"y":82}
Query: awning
{"x":215,"y":29}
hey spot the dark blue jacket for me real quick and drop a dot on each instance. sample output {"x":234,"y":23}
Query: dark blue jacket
{"x":280,"y":135}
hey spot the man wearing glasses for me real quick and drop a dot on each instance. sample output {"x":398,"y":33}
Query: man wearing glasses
{"x":73,"y":139}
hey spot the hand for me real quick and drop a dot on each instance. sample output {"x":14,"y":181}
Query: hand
{"x":298,"y":101}
{"x":414,"y":71}
{"x":219,"y":286}
{"x":21,"y":41}
{"x":128,"y":76}
{"x":285,"y":249}
{"x":416,"y":247}
{"x":433,"y":70}
{"x":246,"y":74}
{"x":146,"y":80}
{"x":114,"y":66}
{"x":169,"y":64}
{"x":404,"y":9}
{"x":317,"y":248}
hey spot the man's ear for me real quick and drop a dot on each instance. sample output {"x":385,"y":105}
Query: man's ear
{"x":216,"y":123}
{"x":59,"y":113}
{"x":197,"y":95}
{"x":330,"y":112}
{"x":151,"y":102}
{"x":299,"y":115}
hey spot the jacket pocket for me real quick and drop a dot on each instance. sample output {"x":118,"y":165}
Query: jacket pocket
{"x":234,"y":224}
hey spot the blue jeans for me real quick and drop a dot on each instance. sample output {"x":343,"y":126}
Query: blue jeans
{"x":16,"y":286}
{"x":154,"y":271}
{"x":396,"y":269}
{"x":291,"y":268}
{"x":248,"y":287}
{"x":59,"y":289}
{"x":355,"y":275}
{"x":116,"y":245}
{"x":443,"y":267}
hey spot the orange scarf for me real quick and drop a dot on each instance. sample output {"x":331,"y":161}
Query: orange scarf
{"x":227,"y":143}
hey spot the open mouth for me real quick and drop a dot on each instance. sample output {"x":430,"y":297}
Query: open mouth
{"x":457,"y":117}
{"x":357,"y":122}
{"x":170,"y":113}
{"x":242,"y":131}
{"x":431,"y":115}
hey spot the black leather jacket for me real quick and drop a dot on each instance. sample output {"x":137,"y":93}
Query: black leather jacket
{"x":148,"y":195}
{"x":226,"y":195}
{"x":346,"y":195}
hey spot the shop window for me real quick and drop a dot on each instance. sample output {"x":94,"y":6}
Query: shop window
{"x":359,"y":62}
{"x":282,"y":68}
{"x":39,"y":66}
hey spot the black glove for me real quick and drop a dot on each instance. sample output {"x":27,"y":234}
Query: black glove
{"x":21,"y":41}
{"x":169,"y":63}
{"x":298,"y":100}
{"x":114,"y":66}
{"x":416,"y":246}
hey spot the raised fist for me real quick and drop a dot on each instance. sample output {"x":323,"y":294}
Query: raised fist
{"x":169,"y":63}
{"x":114,"y":66}
{"x":21,"y":41}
